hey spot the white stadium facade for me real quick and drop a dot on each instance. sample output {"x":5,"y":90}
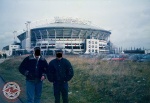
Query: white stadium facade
{"x":71,"y":35}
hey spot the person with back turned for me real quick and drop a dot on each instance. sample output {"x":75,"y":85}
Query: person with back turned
{"x":34,"y":68}
{"x":59,"y":72}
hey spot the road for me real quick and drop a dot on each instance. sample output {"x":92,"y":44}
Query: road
{"x":3,"y":99}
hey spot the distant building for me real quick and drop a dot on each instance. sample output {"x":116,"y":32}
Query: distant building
{"x":147,"y":51}
{"x":96,"y":46}
{"x":10,"y":48}
{"x":138,"y":51}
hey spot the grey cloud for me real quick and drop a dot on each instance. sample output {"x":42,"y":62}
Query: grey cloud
{"x":129,"y":20}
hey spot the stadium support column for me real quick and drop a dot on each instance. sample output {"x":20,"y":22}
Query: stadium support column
{"x":47,"y":34}
{"x":108,"y":38}
{"x":47,"y":39}
{"x":85,"y":37}
{"x":71,"y":41}
{"x":28,"y":37}
{"x":98,"y":41}
{"x":41,"y":38}
{"x":63,"y":41}
{"x":35,"y":38}
{"x":108,"y":42}
{"x":90,"y":44}
{"x":55,"y":38}
{"x":79,"y":39}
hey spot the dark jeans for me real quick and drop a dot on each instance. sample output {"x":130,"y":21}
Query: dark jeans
{"x":61,"y":87}
{"x":34,"y":91}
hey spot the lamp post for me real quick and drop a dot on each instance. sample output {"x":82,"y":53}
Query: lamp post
{"x":28,"y":36}
{"x":15,"y":32}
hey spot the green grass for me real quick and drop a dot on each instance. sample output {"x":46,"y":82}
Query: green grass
{"x":95,"y":81}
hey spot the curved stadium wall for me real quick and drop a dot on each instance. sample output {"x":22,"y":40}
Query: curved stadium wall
{"x":77,"y":38}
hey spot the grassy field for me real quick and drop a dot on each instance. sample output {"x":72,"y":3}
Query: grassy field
{"x":95,"y":81}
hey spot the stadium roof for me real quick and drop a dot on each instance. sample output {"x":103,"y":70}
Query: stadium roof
{"x":64,"y":29}
{"x":70,"y":25}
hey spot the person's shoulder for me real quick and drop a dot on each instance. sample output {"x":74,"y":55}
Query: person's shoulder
{"x":64,"y":59}
{"x":27,"y":57}
{"x":31,"y":56}
{"x":54,"y":60}
{"x":42,"y":58}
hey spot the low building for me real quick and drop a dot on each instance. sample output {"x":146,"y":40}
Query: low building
{"x":147,"y":51}
{"x":10,"y":48}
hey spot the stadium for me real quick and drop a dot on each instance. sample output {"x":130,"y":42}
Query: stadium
{"x":71,"y":35}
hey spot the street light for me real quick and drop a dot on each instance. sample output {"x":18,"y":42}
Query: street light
{"x":15,"y":36}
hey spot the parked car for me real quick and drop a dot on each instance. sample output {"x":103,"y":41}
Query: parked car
{"x":145,"y":58}
{"x":108,"y":57}
{"x":134,"y":57}
{"x":119,"y":58}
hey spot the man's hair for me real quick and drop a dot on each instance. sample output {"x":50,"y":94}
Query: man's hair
{"x":37,"y":51}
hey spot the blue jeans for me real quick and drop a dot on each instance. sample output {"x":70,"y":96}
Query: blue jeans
{"x":34,"y":91}
{"x":62,"y":88}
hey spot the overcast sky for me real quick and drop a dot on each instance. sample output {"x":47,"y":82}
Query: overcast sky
{"x":128,"y":20}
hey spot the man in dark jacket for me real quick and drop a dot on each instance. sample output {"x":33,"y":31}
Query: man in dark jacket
{"x":60,"y":72}
{"x":34,"y":68}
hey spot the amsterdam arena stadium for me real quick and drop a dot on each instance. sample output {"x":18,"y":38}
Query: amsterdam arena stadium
{"x":71,"y":35}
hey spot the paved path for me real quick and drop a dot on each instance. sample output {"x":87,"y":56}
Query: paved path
{"x":2,"y":97}
{"x":1,"y":60}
